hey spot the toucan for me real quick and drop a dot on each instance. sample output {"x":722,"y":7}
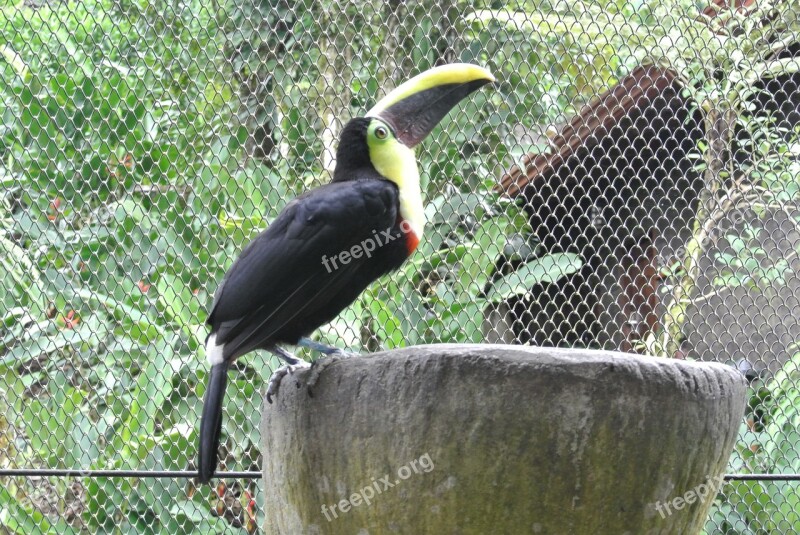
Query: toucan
{"x":330,"y":243}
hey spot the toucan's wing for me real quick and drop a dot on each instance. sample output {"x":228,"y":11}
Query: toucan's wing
{"x":282,"y":274}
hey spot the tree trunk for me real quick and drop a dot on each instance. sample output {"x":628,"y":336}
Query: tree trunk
{"x":719,"y":123}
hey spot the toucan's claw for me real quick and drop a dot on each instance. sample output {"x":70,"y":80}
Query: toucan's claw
{"x":279,"y":374}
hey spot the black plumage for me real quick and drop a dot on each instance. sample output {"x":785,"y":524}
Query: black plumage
{"x":280,"y":289}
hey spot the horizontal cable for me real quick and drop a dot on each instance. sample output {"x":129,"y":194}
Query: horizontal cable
{"x":188,"y":474}
{"x":177,"y":474}
{"x":762,"y":477}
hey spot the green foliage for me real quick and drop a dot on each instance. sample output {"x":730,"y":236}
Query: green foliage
{"x":749,"y":265}
{"x":117,"y":160}
{"x":551,"y":57}
{"x":768,"y":443}
{"x":721,"y":60}
{"x":784,"y":427}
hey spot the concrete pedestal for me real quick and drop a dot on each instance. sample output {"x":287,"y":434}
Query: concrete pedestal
{"x":479,"y":439}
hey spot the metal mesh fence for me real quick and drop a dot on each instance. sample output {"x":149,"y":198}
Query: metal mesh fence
{"x":631,"y":182}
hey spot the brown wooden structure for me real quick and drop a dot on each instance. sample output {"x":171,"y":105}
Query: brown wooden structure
{"x":618,"y":187}
{"x":615,"y":187}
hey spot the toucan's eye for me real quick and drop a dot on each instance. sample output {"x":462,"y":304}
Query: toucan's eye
{"x":381,"y":132}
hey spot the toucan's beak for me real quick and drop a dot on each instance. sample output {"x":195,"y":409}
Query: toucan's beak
{"x":414,"y":108}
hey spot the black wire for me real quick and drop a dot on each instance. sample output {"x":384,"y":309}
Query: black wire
{"x":177,"y":474}
{"x":188,"y":474}
{"x":762,"y":477}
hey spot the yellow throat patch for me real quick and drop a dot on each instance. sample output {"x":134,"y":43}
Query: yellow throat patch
{"x":398,"y":163}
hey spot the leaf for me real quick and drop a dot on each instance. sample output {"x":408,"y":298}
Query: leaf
{"x":462,"y":323}
{"x":189,"y":510}
{"x":50,"y":422}
{"x":18,"y":519}
{"x":192,"y":516}
{"x":104,"y":498}
{"x":387,"y":326}
{"x":154,"y":385}
{"x":16,"y":62}
{"x":489,"y":241}
{"x":774,"y":68}
{"x":44,"y":344}
{"x":345,"y":330}
{"x":541,"y":270}
{"x":177,"y":301}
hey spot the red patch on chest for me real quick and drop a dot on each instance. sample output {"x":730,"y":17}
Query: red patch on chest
{"x":412,"y":240}
{"x":408,"y":234}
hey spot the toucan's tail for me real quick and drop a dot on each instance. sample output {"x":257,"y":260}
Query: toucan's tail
{"x":211,"y":422}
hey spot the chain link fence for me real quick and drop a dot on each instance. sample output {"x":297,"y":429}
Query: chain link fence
{"x":631,"y":182}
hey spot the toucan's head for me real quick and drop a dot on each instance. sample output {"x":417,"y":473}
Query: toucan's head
{"x":385,"y":137}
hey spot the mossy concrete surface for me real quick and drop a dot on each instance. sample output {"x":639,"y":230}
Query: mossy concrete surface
{"x":481,"y":439}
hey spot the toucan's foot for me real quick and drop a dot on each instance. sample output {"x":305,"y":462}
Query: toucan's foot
{"x":284,"y":355}
{"x":279,"y":374}
{"x":323,"y":348}
{"x":319,"y":366}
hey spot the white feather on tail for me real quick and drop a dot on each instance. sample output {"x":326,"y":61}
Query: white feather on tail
{"x":214,"y":352}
